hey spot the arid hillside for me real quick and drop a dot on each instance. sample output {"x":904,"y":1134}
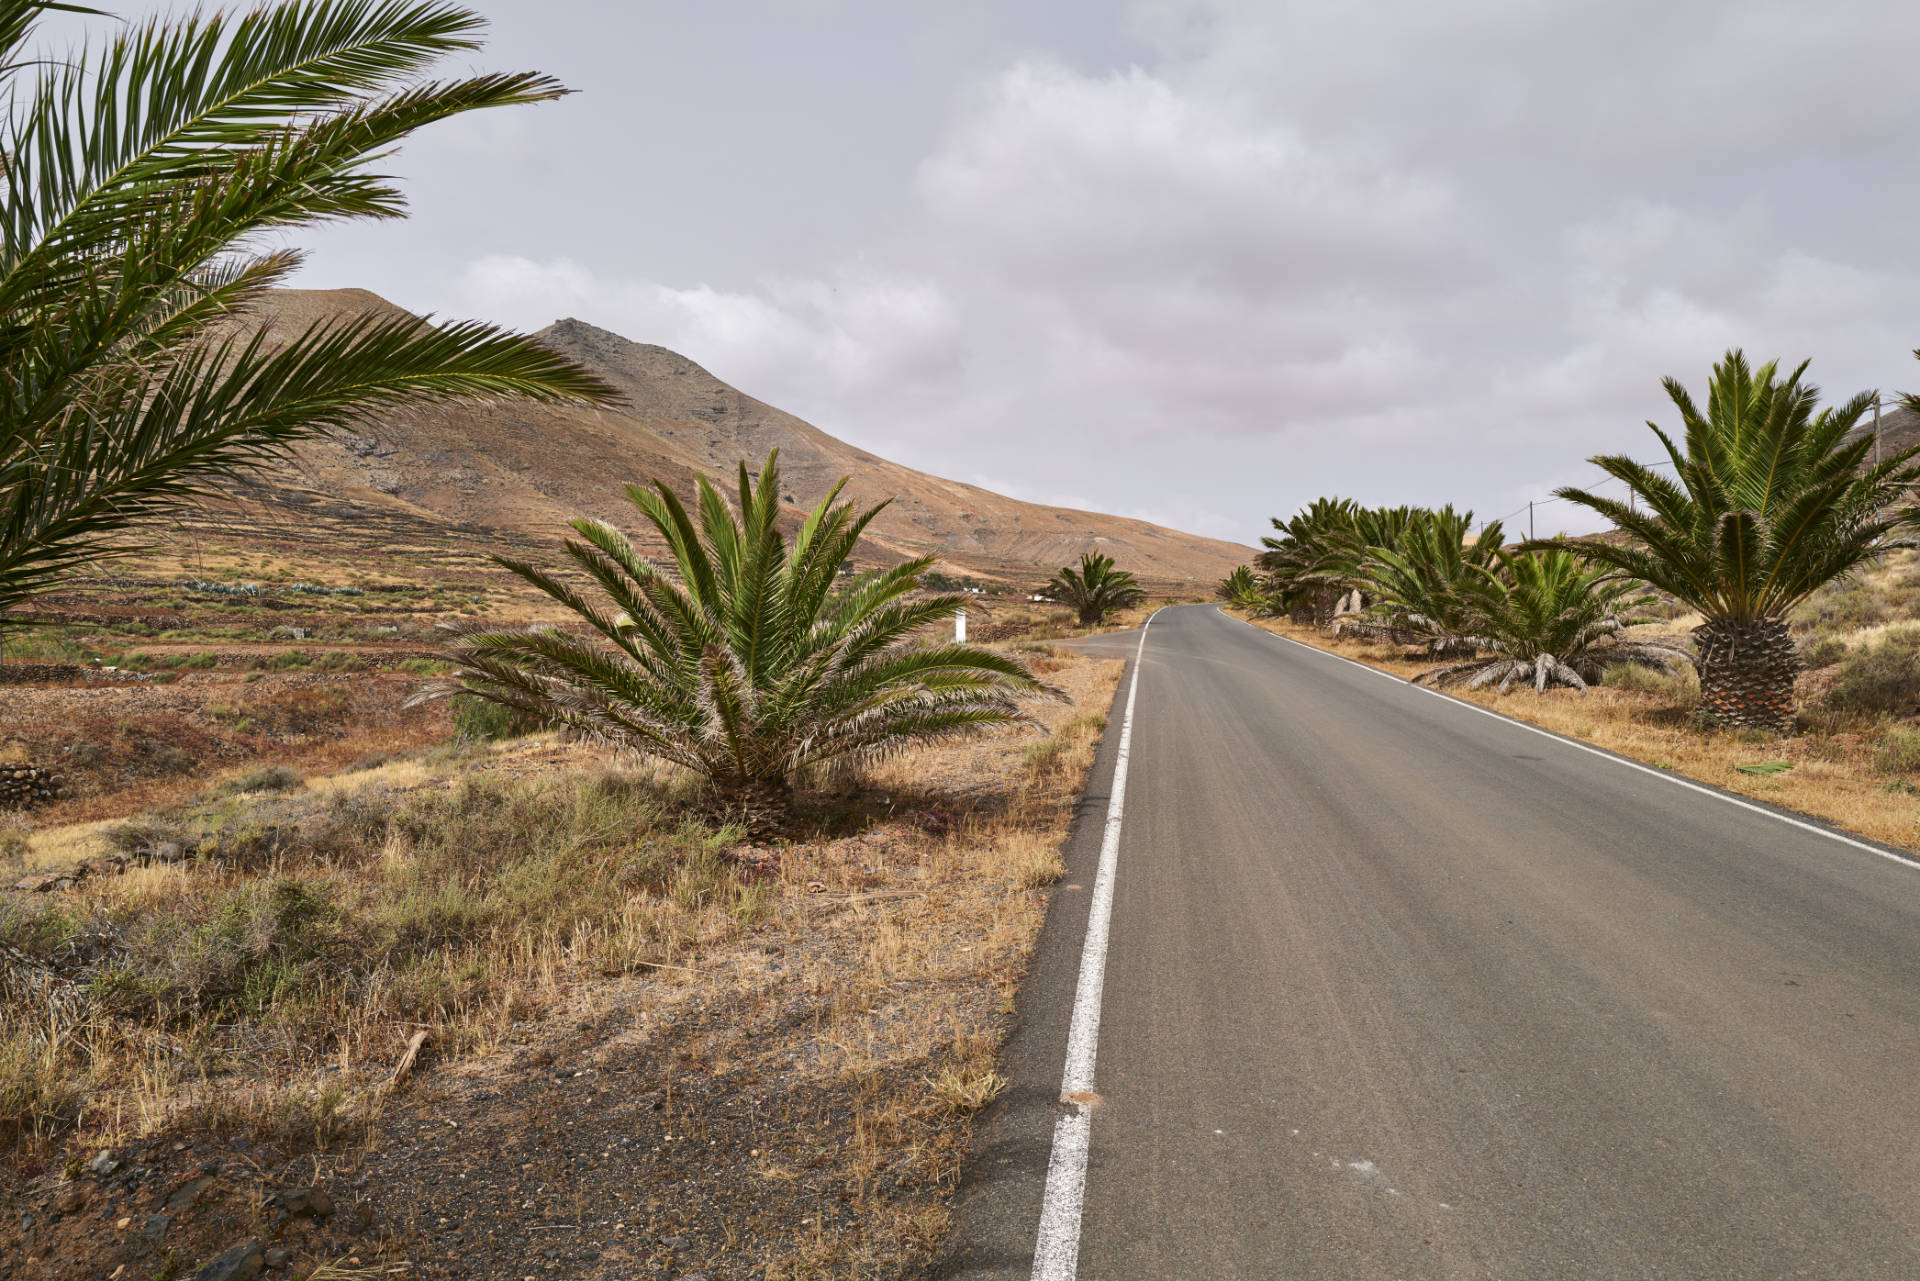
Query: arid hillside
{"x":522,"y":470}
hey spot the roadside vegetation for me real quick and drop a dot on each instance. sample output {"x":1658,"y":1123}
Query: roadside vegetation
{"x":754,"y":664}
{"x":1753,"y":619}
{"x":1096,"y":590}
{"x":290,"y":958}
{"x":257,"y":962}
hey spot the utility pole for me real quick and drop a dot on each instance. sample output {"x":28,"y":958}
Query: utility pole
{"x":1876,"y":431}
{"x":1529,"y":520}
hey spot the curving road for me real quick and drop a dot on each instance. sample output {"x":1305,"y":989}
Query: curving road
{"x":1396,"y":989}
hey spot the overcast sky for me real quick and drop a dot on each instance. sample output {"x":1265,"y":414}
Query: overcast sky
{"x":1196,"y":262}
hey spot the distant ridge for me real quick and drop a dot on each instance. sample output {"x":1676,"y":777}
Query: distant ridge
{"x":527,"y":469}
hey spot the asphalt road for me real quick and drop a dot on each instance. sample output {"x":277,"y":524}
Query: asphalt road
{"x":1399,"y":990}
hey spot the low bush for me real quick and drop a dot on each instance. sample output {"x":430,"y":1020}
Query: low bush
{"x":273,"y":778}
{"x":1897,"y":751}
{"x":477,"y":720}
{"x":1880,"y":678}
{"x":1823,"y":651}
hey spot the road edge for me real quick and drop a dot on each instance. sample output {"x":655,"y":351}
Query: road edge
{"x":998,"y":1202}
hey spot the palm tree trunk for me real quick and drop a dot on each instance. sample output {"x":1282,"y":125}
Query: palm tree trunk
{"x":1325,"y":601}
{"x":1747,"y":670}
{"x":760,"y":805}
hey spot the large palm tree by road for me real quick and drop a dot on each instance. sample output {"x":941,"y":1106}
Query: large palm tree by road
{"x":1769,"y":502}
{"x":753,"y":662}
{"x":140,"y":180}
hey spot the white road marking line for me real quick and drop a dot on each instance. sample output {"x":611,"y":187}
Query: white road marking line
{"x":1903,"y":860}
{"x":1056,"y":1251}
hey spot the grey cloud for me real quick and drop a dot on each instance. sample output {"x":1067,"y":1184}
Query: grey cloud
{"x":1195,"y":261}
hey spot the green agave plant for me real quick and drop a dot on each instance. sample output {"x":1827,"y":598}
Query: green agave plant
{"x":751,"y":662}
{"x":1096,"y":589}
{"x":1770,"y":501}
{"x":1546,"y":617}
{"x":139,"y":181}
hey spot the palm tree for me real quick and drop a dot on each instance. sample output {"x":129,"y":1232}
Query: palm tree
{"x":1096,"y":589}
{"x":1306,"y":559}
{"x":1546,"y":617}
{"x":1242,"y":590}
{"x":1320,"y":553}
{"x":752,"y":663}
{"x":138,"y":180}
{"x":1769,"y":503}
{"x":1418,"y":586}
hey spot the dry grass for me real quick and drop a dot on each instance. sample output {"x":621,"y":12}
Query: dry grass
{"x":503,"y":898}
{"x":1852,"y":772}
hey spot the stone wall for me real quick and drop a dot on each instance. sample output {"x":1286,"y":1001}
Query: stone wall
{"x":24,"y":785}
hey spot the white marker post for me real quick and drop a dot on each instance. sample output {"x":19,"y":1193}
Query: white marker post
{"x":960,"y":625}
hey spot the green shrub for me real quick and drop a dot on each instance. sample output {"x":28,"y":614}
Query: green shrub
{"x":273,"y":778}
{"x":1898,"y":751}
{"x":478,"y":720}
{"x":1823,"y":651}
{"x":1882,"y":678}
{"x":340,"y":660}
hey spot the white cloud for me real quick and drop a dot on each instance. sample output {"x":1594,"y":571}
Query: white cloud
{"x":1403,"y":251}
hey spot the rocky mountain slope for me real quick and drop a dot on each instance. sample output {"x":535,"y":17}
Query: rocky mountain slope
{"x":523,"y":470}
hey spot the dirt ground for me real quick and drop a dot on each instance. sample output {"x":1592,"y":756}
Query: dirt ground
{"x":129,"y":747}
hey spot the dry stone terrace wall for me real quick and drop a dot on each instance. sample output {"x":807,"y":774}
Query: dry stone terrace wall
{"x":67,"y":674}
{"x":24,"y":785}
{"x":40,"y":673}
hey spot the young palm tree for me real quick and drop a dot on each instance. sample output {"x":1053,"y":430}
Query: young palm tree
{"x":1545,"y":617}
{"x":137,"y":181}
{"x":753,"y":662}
{"x":1418,"y":586}
{"x":1770,"y":502}
{"x":1096,"y":589}
{"x":1242,"y":590}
